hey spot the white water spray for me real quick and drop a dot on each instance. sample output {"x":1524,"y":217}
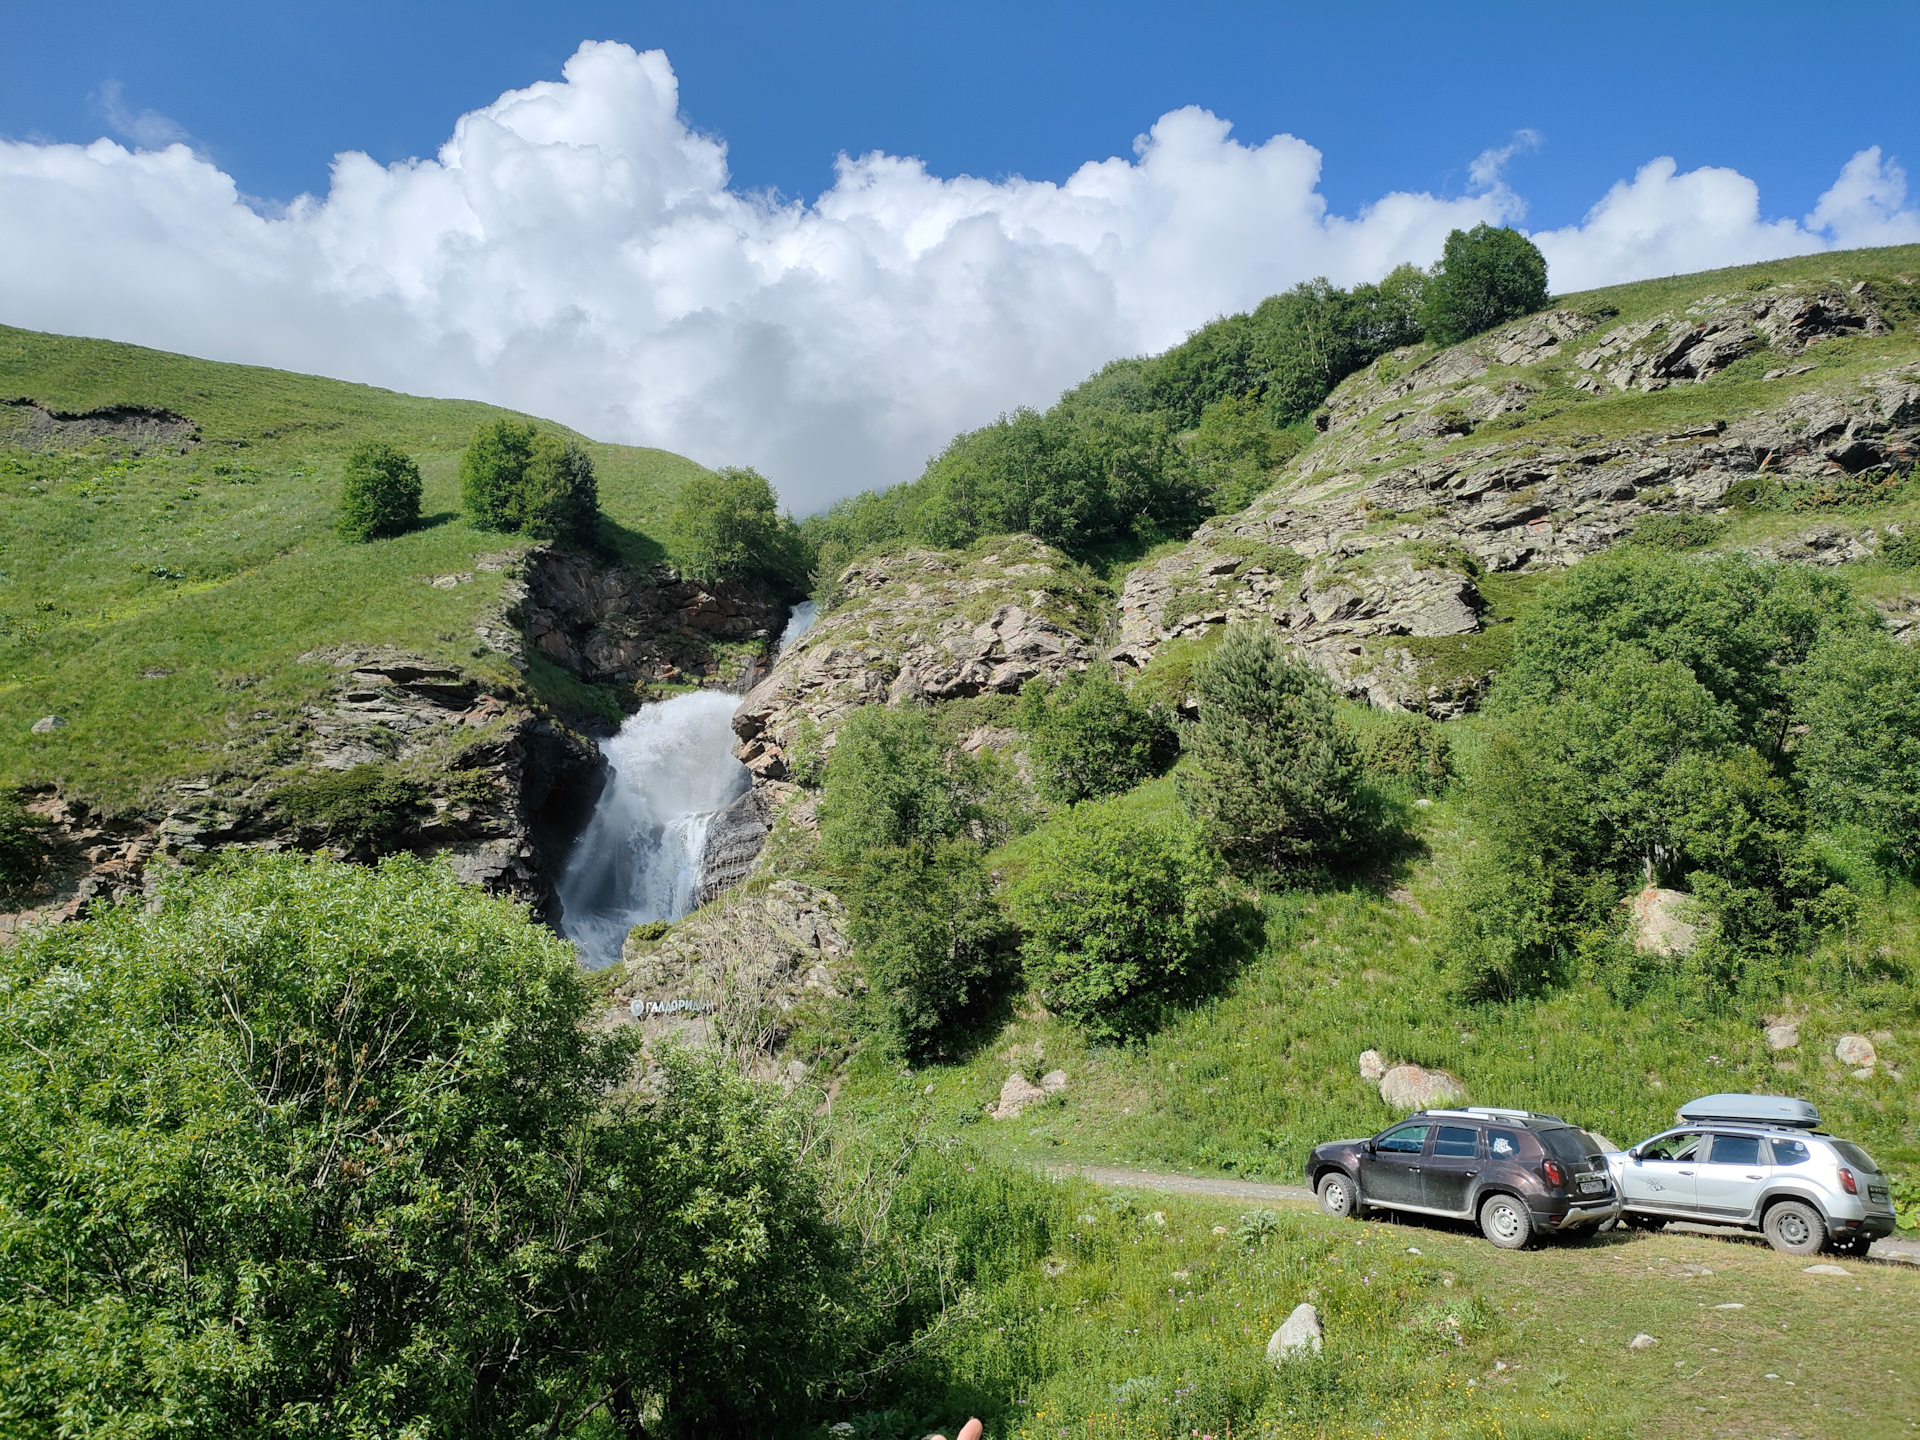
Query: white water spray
{"x":639,"y":857}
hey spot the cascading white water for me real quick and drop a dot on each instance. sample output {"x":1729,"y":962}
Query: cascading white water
{"x":671,"y":767}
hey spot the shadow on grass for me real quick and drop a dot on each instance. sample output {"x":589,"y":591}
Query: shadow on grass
{"x":436,"y":520}
{"x":634,"y":549}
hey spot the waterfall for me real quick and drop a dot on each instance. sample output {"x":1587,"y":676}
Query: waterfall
{"x":671,"y":768}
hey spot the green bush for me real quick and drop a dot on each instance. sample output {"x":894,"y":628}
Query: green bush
{"x":382,"y":1178}
{"x":1859,"y":760}
{"x":23,"y":847}
{"x":1410,"y":750}
{"x":890,"y":784}
{"x":380,"y":494}
{"x":1676,"y":532}
{"x":728,"y":526}
{"x":1120,"y":910}
{"x":930,"y":941}
{"x":1901,"y":551}
{"x":364,"y":808}
{"x":1089,"y":738}
{"x":514,"y":478}
{"x":1486,"y":276}
{"x":1273,"y":776}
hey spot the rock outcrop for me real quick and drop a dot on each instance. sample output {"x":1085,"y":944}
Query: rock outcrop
{"x":732,"y":973}
{"x":1411,"y":1087}
{"x":922,"y":625}
{"x":1367,"y":554}
{"x":1665,"y":922}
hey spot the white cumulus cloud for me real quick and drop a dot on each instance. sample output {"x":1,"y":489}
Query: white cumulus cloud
{"x":576,"y":250}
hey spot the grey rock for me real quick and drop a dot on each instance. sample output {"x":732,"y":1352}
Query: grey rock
{"x":1665,"y":922}
{"x":1855,"y":1051}
{"x":1373,"y":1069}
{"x":47,"y":725}
{"x":1299,"y":1334}
{"x":1015,"y":1095}
{"x":1783,"y":1035}
{"x":1825,"y":1270}
{"x":734,"y":838}
{"x":1642,"y":1341}
{"x":1053,"y":1082}
{"x":1410,"y":1087}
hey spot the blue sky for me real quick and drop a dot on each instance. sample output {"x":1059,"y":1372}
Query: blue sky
{"x":1395,"y":95}
{"x":628,"y":217}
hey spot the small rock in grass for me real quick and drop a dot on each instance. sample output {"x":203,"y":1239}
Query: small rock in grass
{"x":1642,"y":1341}
{"x":1372,"y":1067}
{"x":1018,"y":1093}
{"x":1730,"y":1305}
{"x":1299,"y":1334}
{"x":1219,"y":1229}
{"x":1783,"y":1035}
{"x":48,"y":725}
{"x":1054,"y":1081}
{"x":1826,"y":1270}
{"x":1855,"y":1052}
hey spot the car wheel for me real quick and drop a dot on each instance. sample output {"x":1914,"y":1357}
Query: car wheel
{"x":1505,"y":1221}
{"x":1855,"y":1245}
{"x":1649,"y":1223}
{"x":1338,"y":1196}
{"x":1795,"y":1229}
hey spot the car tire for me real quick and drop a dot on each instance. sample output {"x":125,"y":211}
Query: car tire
{"x":1794,"y":1228}
{"x":1651,"y":1224}
{"x":1339,"y":1196}
{"x":1505,"y":1221}
{"x":1856,"y":1246}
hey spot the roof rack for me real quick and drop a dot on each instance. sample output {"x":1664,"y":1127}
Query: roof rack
{"x":1751,"y":1110}
{"x":1495,"y":1112}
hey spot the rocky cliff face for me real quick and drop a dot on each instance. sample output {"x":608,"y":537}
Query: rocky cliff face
{"x":1374,"y":538}
{"x":924,"y":625}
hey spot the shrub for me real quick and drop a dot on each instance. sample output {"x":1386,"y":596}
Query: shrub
{"x":1676,"y":532}
{"x":514,"y":478}
{"x":890,"y":785}
{"x":380,"y":494}
{"x":929,"y":939}
{"x":23,"y":847}
{"x":728,"y":526}
{"x":1411,"y":750}
{"x":1119,"y":910}
{"x":379,"y":1180}
{"x":491,"y":470}
{"x":1090,"y":738}
{"x":1900,"y":551}
{"x":1859,"y":761}
{"x":363,"y":808}
{"x":1273,"y":776}
{"x":1486,"y":276}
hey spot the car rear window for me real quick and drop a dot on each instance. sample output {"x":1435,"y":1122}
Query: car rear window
{"x":1734,"y":1150}
{"x":1855,"y":1156}
{"x":1503,"y":1144}
{"x":1456,"y":1140}
{"x":1566,"y":1143}
{"x":1790,"y":1152}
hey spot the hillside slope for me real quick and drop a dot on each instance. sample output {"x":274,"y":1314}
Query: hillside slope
{"x":183,"y":637}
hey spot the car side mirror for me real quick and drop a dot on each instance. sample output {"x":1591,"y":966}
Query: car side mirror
{"x":1372,"y":1149}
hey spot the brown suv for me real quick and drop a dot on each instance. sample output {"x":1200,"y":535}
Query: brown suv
{"x":1514,"y":1172}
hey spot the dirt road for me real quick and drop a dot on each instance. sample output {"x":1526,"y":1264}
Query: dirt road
{"x":1898,"y":1250}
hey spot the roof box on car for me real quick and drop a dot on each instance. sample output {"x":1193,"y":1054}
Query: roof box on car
{"x":1753,"y":1110}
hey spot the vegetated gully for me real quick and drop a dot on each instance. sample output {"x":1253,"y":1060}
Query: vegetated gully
{"x":670,"y":770}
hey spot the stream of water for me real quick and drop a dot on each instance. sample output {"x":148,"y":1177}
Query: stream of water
{"x":671,"y":768}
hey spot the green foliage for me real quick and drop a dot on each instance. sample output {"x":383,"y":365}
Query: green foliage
{"x":891,"y":785}
{"x":1120,"y":909}
{"x":728,"y":526}
{"x":1676,"y":532}
{"x":375,"y":1182}
{"x":380,"y":494}
{"x":364,"y":808}
{"x":930,"y":940}
{"x":1273,"y":776}
{"x":1859,"y":760}
{"x":1236,"y":448}
{"x":1090,"y":738}
{"x":1410,"y":750}
{"x":1899,"y":550}
{"x":515,"y":478}
{"x":1485,"y":276}
{"x":23,"y":847}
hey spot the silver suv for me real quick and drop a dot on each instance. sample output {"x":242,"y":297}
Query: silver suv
{"x":1757,"y":1161}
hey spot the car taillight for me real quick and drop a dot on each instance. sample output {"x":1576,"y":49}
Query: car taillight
{"x":1556,"y":1175}
{"x":1847,"y":1182}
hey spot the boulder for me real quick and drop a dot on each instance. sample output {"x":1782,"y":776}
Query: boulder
{"x":47,"y":725}
{"x":1642,"y":1341}
{"x":1054,"y":1081}
{"x":1783,"y":1035}
{"x":1855,"y":1051}
{"x":1664,"y":922}
{"x":1018,"y":1093}
{"x":1372,"y":1067}
{"x":1299,"y":1334}
{"x":1409,"y":1087}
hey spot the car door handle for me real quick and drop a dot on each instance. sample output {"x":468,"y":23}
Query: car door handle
{"x":1469,"y":1173}
{"x":1756,"y":1177}
{"x":1686,"y":1172}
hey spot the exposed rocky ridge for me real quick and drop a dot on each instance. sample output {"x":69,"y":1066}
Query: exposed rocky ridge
{"x":923,"y":625}
{"x":733,"y":973}
{"x":34,"y":426}
{"x":1376,"y":533}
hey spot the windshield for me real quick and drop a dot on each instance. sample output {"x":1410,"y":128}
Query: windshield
{"x":1855,"y":1156}
{"x":1567,"y":1143}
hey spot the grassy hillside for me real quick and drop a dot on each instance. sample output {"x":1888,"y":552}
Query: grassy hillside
{"x":157,"y":598}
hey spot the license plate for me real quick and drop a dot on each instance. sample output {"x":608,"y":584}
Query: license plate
{"x":1877,"y":1194}
{"x":1591,"y":1184}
